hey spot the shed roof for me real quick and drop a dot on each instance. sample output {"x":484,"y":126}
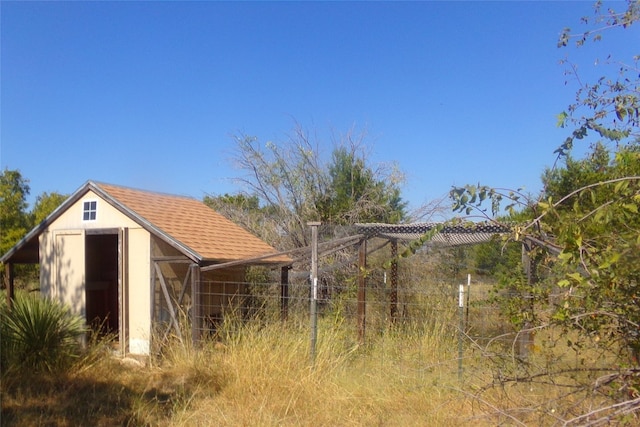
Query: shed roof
{"x":185,"y":223}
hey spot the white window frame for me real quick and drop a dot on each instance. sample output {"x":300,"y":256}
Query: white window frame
{"x":87,"y":210}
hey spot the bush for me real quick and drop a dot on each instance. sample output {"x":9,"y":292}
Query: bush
{"x":38,"y":334}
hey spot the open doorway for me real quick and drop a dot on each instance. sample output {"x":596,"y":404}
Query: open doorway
{"x":101,"y":273}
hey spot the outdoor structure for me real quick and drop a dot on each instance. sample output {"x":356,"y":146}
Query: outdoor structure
{"x":440,"y":234}
{"x":139,"y":263}
{"x":133,"y":261}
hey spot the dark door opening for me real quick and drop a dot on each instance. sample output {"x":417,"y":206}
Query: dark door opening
{"x":101,"y":273}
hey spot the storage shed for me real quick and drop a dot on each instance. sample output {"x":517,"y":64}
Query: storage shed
{"x":130,"y":259}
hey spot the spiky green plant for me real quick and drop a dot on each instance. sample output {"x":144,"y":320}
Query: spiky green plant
{"x":39,"y":334}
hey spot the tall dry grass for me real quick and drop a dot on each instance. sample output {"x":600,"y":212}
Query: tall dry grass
{"x":261,"y":373}
{"x":401,"y":376}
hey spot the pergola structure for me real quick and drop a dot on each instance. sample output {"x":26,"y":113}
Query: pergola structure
{"x":443,"y":235}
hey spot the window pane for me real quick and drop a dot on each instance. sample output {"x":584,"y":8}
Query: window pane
{"x":89,"y":210}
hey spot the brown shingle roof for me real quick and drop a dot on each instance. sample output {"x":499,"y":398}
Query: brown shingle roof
{"x":193,"y":224}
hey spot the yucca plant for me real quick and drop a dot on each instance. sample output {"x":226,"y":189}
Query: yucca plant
{"x":39,"y":334}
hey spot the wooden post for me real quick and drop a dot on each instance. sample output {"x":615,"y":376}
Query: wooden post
{"x":123,"y":293}
{"x":196,"y":318}
{"x":393,"y":296}
{"x":362,"y":295}
{"x":170,"y":307}
{"x":284,"y":293}
{"x":152,"y":290}
{"x":525,"y":337}
{"x":9,"y":283}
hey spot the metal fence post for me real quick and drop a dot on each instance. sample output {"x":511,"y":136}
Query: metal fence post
{"x":314,"y":289}
{"x":461,"y":328}
{"x":362,"y":290}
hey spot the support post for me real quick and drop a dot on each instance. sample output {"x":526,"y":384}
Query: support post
{"x":152,"y":290}
{"x":393,"y":296}
{"x":314,"y":288}
{"x":9,"y":283}
{"x":460,"y":329}
{"x":284,"y":293}
{"x":525,"y":337}
{"x":194,"y":270}
{"x":123,"y":290}
{"x":362,"y":295}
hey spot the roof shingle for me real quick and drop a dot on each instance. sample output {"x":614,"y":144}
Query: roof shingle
{"x":193,"y":224}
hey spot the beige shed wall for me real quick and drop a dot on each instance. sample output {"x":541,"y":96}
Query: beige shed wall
{"x":107,"y":216}
{"x":62,"y":269}
{"x":139,"y":295}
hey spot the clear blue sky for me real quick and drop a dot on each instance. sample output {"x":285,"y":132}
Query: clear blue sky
{"x":148,"y":94}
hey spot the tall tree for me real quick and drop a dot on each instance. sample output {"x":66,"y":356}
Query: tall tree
{"x":45,"y":204}
{"x":14,"y":218}
{"x":356,"y":195}
{"x":245,"y":211}
{"x":295,"y":184}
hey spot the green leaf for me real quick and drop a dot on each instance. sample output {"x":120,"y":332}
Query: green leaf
{"x":565,"y":256}
{"x":561,"y":119}
{"x":610,"y":261}
{"x":622,"y":185}
{"x":576,"y":276}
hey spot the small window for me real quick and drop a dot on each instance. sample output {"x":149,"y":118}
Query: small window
{"x":89,"y":211}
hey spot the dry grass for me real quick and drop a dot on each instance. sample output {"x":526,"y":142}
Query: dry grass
{"x":263,"y":375}
{"x":271,"y":380}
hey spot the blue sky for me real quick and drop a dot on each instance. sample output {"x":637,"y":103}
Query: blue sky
{"x":149,"y":94}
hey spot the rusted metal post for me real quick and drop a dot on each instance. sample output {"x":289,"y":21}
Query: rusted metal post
{"x":393,"y":296}
{"x":314,"y":288}
{"x":362,"y":294}
{"x":284,"y":292}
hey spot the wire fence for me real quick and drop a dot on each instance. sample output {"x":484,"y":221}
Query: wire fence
{"x":476,"y":317}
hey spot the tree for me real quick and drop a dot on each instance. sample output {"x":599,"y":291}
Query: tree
{"x":610,"y":107}
{"x":45,"y":204}
{"x":14,"y":219}
{"x":295,"y":185}
{"x":245,"y":211}
{"x":356,"y":195}
{"x":588,"y":216}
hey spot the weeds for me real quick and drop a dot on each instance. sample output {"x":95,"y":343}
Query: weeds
{"x":261,"y":373}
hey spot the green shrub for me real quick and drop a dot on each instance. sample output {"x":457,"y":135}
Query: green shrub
{"x":38,"y":334}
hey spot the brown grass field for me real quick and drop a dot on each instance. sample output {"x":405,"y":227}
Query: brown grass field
{"x":262,"y":374}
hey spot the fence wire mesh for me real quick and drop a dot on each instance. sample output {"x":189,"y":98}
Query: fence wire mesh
{"x":252,"y":302}
{"x":420,"y":296}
